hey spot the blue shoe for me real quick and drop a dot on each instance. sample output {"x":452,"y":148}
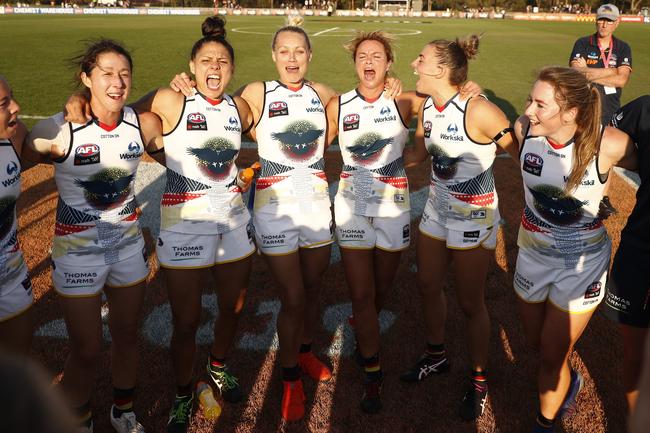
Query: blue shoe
{"x":570,"y":406}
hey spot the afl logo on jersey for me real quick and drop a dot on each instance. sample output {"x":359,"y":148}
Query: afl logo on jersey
{"x":533,"y":164}
{"x":427,"y":128}
{"x":278,"y":108}
{"x":12,"y":168}
{"x":196,"y":122}
{"x":86,"y":154}
{"x":593,"y":291}
{"x":350,"y":122}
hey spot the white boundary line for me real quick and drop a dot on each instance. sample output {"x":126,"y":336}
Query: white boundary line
{"x":25,"y":116}
{"x":325,"y":31}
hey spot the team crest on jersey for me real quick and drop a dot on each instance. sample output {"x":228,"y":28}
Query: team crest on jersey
{"x":593,"y":291}
{"x":443,"y":165}
{"x":351,"y":122}
{"x":452,"y":133}
{"x":427,"y":128}
{"x":106,"y":189}
{"x":316,"y":106}
{"x":7,"y":206}
{"x":196,"y":122}
{"x":215,"y":157}
{"x":533,"y":164}
{"x":368,"y":148}
{"x":385,"y":112}
{"x":555,"y":205}
{"x":86,"y":154}
{"x":134,"y":151}
{"x":233,"y":125}
{"x":12,"y":168}
{"x":299,"y":140}
{"x":278,"y":108}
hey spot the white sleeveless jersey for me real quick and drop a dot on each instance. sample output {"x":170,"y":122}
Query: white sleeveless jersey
{"x":372,"y":136}
{"x":462,"y":183}
{"x":11,"y":259}
{"x":558,"y":225}
{"x":291,"y":141}
{"x":96,"y":217}
{"x":201,"y":195}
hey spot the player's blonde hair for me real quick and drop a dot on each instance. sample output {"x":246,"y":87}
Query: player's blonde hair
{"x":573,"y":90}
{"x":455,"y":55}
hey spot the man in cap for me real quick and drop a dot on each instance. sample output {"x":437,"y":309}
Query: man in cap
{"x":604,"y":59}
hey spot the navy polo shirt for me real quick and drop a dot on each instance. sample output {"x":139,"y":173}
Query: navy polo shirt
{"x":587,"y":48}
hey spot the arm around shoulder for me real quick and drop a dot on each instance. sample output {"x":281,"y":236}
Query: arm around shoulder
{"x":617,"y":149}
{"x":50,"y":137}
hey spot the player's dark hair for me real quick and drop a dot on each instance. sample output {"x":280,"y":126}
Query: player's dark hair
{"x":384,"y":38}
{"x":86,"y":61}
{"x":573,"y":90}
{"x":213,"y":30}
{"x":455,"y":55}
{"x":294,"y":29}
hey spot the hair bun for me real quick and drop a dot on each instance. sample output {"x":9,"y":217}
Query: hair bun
{"x":469,"y":45}
{"x":214,"y":26}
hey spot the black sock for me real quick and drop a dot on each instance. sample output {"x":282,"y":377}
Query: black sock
{"x":84,"y":414}
{"x":217,"y":362}
{"x":305,"y":348}
{"x":291,"y":374}
{"x":434,"y":351}
{"x":543,"y":421}
{"x":122,"y":401}
{"x":479,"y":380}
{"x":372,"y":367}
{"x":184,"y":390}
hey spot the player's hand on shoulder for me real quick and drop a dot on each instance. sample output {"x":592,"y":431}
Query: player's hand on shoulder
{"x":183,"y":83}
{"x":469,"y":90}
{"x":392,"y":87}
{"x":77,"y":108}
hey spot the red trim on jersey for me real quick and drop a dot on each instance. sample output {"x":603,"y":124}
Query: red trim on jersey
{"x":554,"y":145}
{"x":478,"y":199}
{"x":170,"y":199}
{"x":321,"y":175}
{"x":106,"y":127}
{"x":213,"y":101}
{"x":440,"y":109}
{"x":295,"y":89}
{"x":397,"y":182}
{"x":265,"y":182}
{"x":61,"y":229}
{"x":529,"y":226}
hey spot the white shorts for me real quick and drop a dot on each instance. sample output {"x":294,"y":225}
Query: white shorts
{"x":362,"y":232}
{"x":186,"y":251}
{"x":80,"y":281}
{"x":576,"y":290}
{"x":15,"y":292}
{"x":460,"y":240}
{"x":284,"y":234}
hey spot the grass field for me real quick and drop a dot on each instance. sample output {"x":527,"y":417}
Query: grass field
{"x":34,"y":60}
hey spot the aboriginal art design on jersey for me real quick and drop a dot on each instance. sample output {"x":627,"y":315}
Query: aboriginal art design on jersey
{"x":442,"y":164}
{"x":272,"y":172}
{"x":368,"y":148}
{"x":555,"y":205}
{"x":215,"y":157}
{"x":7,"y":208}
{"x":106,"y":189}
{"x":299,"y":140}
{"x":477,"y":191}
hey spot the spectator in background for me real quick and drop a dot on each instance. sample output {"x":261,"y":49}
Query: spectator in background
{"x":604,"y":60}
{"x":607,"y":62}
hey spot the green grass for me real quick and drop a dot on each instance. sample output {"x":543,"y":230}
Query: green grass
{"x":35,"y":48}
